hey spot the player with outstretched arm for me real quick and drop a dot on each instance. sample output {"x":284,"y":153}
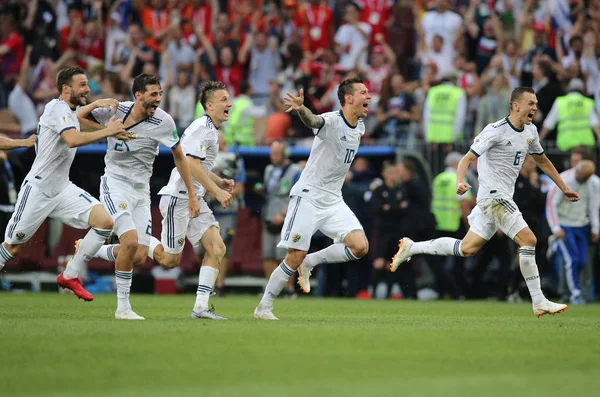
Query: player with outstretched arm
{"x":500,"y":149}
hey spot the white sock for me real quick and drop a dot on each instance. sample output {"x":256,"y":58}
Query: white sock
{"x":206,"y":282}
{"x":335,"y":253}
{"x":106,"y":252}
{"x":444,"y":246}
{"x":5,"y":256}
{"x":123,"y":279}
{"x":530,"y":273}
{"x":154,"y":242}
{"x":277,"y":282}
{"x":90,"y":244}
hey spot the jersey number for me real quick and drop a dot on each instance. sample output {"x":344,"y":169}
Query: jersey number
{"x":349,"y":156}
{"x":517,"y":158}
{"x":85,"y":197}
{"x":119,"y":146}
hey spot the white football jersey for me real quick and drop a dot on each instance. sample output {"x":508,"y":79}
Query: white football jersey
{"x":501,"y":150}
{"x":200,"y":141}
{"x":132,"y":160}
{"x":53,"y":156}
{"x":332,"y":152}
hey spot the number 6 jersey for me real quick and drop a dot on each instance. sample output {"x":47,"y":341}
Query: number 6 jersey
{"x":132,"y":160}
{"x":332,"y":152}
{"x":501,"y":149}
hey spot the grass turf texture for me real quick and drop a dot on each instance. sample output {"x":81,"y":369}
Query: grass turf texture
{"x":56,"y":345}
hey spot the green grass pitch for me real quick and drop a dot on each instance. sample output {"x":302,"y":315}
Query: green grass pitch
{"x":56,"y":345}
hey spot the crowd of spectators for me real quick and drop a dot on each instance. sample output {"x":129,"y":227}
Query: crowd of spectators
{"x":263,"y":48}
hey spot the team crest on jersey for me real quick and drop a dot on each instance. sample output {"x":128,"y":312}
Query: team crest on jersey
{"x":296,"y":237}
{"x":180,"y":242}
{"x":123,"y":206}
{"x":131,"y":135}
{"x":529,"y":141}
{"x":20,"y":236}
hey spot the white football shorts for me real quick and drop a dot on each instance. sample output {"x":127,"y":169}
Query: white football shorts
{"x":489,"y":215}
{"x":129,"y":206}
{"x":177,"y":224}
{"x":303,"y":219}
{"x":72,"y":206}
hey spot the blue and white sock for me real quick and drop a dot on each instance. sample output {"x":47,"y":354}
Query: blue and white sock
{"x":335,"y":253}
{"x":90,"y":244}
{"x":530,"y":273}
{"x":107,"y":253}
{"x":277,"y":282}
{"x":444,"y":246}
{"x":5,"y":256}
{"x":123,"y":281}
{"x":206,"y":282}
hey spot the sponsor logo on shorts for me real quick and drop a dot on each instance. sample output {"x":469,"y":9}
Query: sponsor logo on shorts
{"x":20,"y":236}
{"x":180,"y":242}
{"x":123,"y":206}
{"x":296,"y":237}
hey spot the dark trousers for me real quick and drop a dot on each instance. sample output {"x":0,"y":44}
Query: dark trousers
{"x":498,"y":247}
{"x":4,"y":218}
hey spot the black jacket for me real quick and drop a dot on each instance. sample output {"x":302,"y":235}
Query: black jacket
{"x":531,"y":202}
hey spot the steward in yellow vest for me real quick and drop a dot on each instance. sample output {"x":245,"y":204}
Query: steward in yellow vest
{"x":574,"y":117}
{"x":444,"y":115}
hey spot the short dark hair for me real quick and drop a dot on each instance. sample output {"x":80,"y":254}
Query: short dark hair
{"x":410,"y":166}
{"x":545,"y":66}
{"x":582,"y":151}
{"x":65,"y":76}
{"x":245,"y":87}
{"x":518,"y":92}
{"x":208,"y":88}
{"x":347,"y":88}
{"x":575,"y":39}
{"x":142,"y":81}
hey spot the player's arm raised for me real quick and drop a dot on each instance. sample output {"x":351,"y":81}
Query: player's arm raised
{"x":184,"y":170}
{"x":461,"y":186}
{"x":546,"y":165}
{"x":308,"y":118}
{"x":74,"y":138}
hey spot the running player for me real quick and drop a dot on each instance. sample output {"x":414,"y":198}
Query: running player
{"x":125,"y":185}
{"x":200,"y":144}
{"x":500,"y":148}
{"x":316,"y":199}
{"x":47,"y":190}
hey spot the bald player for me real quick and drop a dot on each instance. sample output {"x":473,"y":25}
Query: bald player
{"x":572,"y":223}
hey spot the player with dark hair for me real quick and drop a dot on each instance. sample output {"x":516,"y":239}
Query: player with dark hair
{"x":47,"y":190}
{"x":200,"y":143}
{"x":125,"y":185}
{"x":316,"y":201}
{"x":500,"y":149}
